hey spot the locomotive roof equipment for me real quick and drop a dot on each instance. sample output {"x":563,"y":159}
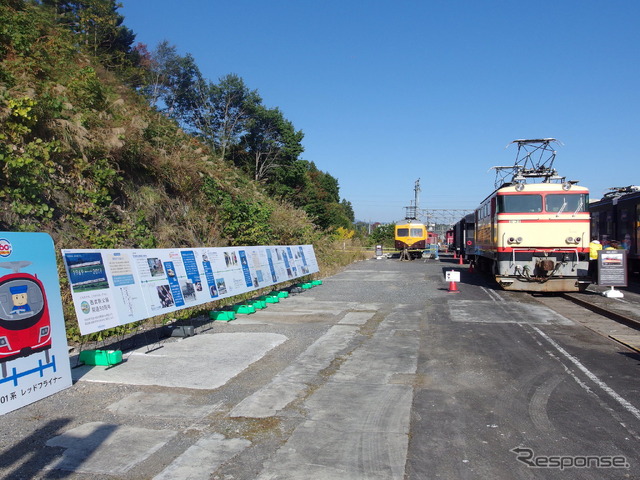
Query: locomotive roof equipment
{"x":621,"y":191}
{"x":534,"y":160}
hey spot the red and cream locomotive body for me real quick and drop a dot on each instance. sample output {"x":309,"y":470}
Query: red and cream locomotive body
{"x":535,"y":236}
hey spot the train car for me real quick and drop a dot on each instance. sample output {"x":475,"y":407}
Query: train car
{"x":412,"y":237}
{"x":617,"y":217}
{"x":25,"y":326}
{"x":535,"y":237}
{"x":464,"y":237}
{"x":532,"y":233}
{"x":449,"y":240}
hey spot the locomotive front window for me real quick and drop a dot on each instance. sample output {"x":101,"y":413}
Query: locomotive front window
{"x":403,"y":232}
{"x":20,"y":299}
{"x":416,"y":232}
{"x":566,"y":203}
{"x":519,"y":203}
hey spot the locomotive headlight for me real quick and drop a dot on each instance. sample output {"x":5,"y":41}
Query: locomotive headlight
{"x":519,"y":187}
{"x":578,"y":239}
{"x":514,"y":240}
{"x":570,"y":240}
{"x":566,"y":186}
{"x":519,"y":240}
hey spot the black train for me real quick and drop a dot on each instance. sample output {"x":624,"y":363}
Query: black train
{"x":617,"y":217}
{"x":464,"y":237}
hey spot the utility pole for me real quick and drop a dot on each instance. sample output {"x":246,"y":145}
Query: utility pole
{"x":412,"y":211}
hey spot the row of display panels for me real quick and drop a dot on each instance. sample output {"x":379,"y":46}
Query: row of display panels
{"x":116,"y":287}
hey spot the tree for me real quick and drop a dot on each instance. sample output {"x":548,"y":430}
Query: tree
{"x":342,"y":234}
{"x":232,"y":105}
{"x":348,"y":209}
{"x":288,"y":182}
{"x":175,"y":85}
{"x":320,"y":199}
{"x":101,"y":27}
{"x":157,"y":66}
{"x":271,"y":141}
{"x":217,"y":113}
{"x":384,"y":235}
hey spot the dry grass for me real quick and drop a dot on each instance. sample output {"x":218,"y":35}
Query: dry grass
{"x":334,"y":255}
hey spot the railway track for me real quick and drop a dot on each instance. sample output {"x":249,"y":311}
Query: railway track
{"x":617,"y":319}
{"x":609,"y":311}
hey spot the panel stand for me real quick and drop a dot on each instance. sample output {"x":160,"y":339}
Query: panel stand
{"x":613,"y":293}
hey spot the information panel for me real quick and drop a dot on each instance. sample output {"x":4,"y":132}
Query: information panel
{"x":33,"y":343}
{"x":116,"y":287}
{"x":612,"y":268}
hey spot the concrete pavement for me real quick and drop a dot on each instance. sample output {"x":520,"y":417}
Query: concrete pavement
{"x":339,"y":382}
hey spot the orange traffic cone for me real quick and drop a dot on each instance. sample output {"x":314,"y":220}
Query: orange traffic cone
{"x":460,"y":260}
{"x":453,"y":288}
{"x":455,"y":254}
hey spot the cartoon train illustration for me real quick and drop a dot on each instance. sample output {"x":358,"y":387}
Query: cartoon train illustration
{"x":25,"y":325}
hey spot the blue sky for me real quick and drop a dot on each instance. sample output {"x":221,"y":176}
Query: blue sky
{"x":387,"y":92}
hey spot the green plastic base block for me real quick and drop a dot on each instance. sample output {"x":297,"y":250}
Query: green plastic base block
{"x":316,"y":282}
{"x":244,"y":309}
{"x":307,"y":286}
{"x":270,"y":298}
{"x":278,"y":293}
{"x":258,"y":304}
{"x":101,"y":357}
{"x":222,"y":315}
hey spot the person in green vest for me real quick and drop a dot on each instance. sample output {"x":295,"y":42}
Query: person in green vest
{"x":594,"y":247}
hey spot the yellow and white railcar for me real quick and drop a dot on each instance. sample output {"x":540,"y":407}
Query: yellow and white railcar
{"x":535,"y":236}
{"x":411,"y":237}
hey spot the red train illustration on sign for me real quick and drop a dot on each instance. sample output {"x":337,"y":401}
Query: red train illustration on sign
{"x":25,"y":325}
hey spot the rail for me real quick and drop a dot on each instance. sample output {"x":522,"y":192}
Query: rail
{"x":605,"y":309}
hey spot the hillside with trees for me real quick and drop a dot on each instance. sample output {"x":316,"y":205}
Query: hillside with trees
{"x":105,"y":143}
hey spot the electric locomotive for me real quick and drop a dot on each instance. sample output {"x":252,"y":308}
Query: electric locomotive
{"x":532,"y":232}
{"x":617,"y":217}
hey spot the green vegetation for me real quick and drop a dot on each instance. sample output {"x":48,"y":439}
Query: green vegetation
{"x":384,"y":235}
{"x":104,"y":144}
